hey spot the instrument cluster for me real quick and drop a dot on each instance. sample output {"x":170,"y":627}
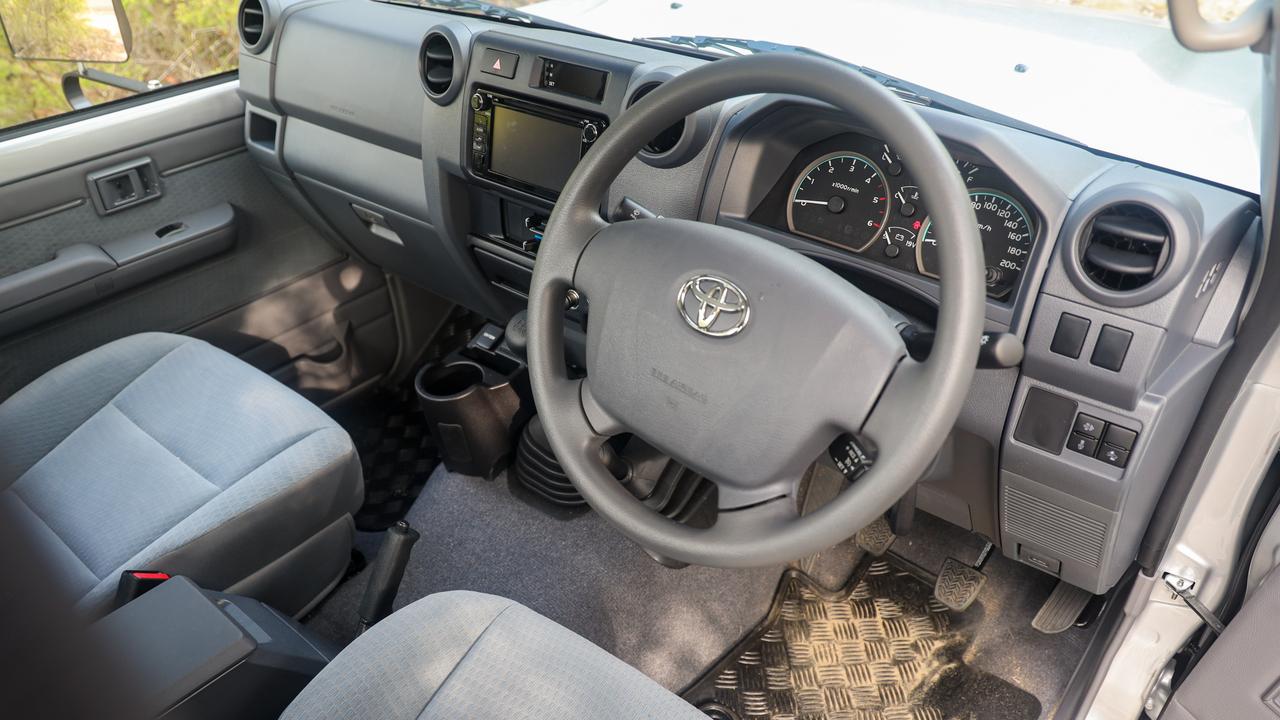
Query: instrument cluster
{"x":853,"y":192}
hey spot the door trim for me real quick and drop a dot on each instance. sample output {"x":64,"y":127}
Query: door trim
{"x":95,"y":136}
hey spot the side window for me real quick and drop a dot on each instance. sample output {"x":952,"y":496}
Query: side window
{"x":65,"y":55}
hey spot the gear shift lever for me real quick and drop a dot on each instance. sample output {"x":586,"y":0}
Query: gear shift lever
{"x":517,"y":334}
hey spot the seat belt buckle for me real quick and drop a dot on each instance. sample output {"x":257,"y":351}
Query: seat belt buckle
{"x":133,"y":583}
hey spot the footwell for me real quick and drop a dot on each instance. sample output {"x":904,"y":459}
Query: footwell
{"x":396,"y":452}
{"x":882,"y":648}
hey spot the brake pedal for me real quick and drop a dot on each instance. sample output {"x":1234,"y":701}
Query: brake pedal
{"x":1061,"y":610}
{"x":876,"y":538}
{"x":959,"y":583}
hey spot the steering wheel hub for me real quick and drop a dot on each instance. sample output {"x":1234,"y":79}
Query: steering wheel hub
{"x":748,"y":404}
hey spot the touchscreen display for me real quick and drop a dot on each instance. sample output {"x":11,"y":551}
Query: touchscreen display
{"x":533,"y":149}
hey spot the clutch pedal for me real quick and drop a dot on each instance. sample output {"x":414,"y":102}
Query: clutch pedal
{"x":876,"y":538}
{"x":959,"y":583}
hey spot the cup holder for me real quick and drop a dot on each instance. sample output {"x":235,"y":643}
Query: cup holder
{"x":472,"y":413}
{"x":448,"y":381}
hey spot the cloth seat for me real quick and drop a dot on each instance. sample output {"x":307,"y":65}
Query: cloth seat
{"x":464,"y":654}
{"x":161,"y":452}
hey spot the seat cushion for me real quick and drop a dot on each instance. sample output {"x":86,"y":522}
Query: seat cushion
{"x":470,"y":655}
{"x":159,"y":451}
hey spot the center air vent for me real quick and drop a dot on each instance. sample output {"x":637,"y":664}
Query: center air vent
{"x":439,"y":58}
{"x":252,"y":24}
{"x":666,"y":140}
{"x":1125,"y":247}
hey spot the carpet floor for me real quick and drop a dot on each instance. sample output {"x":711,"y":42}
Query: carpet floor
{"x":572,"y":567}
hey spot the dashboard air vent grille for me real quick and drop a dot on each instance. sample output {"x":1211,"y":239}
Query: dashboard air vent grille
{"x":1125,"y":247}
{"x":252,"y":21}
{"x":437,"y":64}
{"x":666,"y":140}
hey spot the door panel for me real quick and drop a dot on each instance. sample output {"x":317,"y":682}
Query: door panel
{"x":1239,"y":677}
{"x":277,"y":292}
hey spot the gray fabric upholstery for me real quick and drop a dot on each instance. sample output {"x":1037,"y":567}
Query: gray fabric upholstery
{"x":160,"y":451}
{"x":462,"y":654}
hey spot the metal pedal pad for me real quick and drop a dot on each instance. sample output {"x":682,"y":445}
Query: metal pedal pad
{"x":876,"y":538}
{"x":958,"y":584}
{"x":1061,"y":610}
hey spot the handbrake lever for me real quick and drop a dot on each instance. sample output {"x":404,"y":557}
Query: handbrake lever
{"x":386,"y":574}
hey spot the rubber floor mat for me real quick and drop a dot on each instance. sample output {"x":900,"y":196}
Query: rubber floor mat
{"x":397,"y":454}
{"x":882,"y":648}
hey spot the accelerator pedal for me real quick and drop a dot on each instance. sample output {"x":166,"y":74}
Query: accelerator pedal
{"x":876,"y":538}
{"x":1061,"y":610}
{"x":959,"y":583}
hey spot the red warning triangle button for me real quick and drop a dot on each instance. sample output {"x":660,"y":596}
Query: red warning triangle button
{"x":497,"y":62}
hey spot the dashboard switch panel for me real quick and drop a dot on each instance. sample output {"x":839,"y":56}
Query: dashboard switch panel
{"x":1068,"y":339}
{"x":1045,"y":421}
{"x":1112,"y":346}
{"x":1099,"y":439}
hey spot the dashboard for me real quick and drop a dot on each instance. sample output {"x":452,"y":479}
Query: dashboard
{"x":440,"y":156}
{"x":853,"y":192}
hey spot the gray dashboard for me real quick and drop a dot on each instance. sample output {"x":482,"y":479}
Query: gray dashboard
{"x":343,"y":117}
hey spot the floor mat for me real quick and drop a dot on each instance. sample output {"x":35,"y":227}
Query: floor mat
{"x":573,"y":567}
{"x":397,"y":454}
{"x":882,"y":648}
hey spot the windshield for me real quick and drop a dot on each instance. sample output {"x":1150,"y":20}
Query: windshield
{"x":1106,"y":73}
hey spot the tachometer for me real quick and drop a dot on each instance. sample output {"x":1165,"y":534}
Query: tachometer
{"x":1007,"y":235}
{"x":842,"y":198}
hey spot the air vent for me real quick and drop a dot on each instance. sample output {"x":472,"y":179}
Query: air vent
{"x":666,"y":140}
{"x":1125,"y":247}
{"x":438,"y":57}
{"x":252,"y":20}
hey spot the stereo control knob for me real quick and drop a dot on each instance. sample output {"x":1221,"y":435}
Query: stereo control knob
{"x":590,"y":132}
{"x":479,"y":102}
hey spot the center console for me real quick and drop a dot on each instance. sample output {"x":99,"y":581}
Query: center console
{"x":528,"y":145}
{"x":532,"y":111}
{"x":195,"y":653}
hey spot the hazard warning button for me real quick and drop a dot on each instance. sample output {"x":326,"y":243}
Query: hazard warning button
{"x":497,"y":62}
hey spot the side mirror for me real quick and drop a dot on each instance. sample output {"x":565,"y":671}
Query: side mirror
{"x":67,"y":30}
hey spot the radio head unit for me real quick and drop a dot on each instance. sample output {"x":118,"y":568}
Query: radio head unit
{"x":528,"y":145}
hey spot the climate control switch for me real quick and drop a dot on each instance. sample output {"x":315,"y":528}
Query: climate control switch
{"x":1099,"y":439}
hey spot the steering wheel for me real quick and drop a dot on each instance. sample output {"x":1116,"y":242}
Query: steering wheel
{"x":740,"y":358}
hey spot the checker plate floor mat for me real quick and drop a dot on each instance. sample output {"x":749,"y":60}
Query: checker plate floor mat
{"x":397,"y":454}
{"x":883,"y":648}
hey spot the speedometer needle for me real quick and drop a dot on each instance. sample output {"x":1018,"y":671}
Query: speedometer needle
{"x":811,"y":202}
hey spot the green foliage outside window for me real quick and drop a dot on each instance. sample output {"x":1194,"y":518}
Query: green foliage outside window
{"x":174,"y":41}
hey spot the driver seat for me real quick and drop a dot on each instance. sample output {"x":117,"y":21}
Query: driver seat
{"x":466,"y":654}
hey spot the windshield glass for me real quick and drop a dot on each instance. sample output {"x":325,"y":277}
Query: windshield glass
{"x":1106,"y":73}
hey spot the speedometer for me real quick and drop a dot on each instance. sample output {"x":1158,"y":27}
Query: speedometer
{"x":841,"y":198}
{"x":1007,"y":234}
